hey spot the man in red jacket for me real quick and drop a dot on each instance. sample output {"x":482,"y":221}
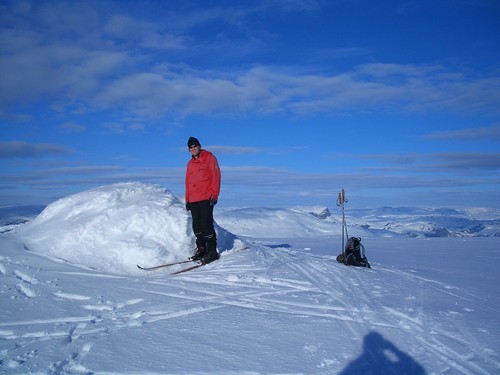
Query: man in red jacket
{"x":202,"y":193}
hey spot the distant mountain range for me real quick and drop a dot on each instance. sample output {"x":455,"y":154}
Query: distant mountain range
{"x":319,"y":221}
{"x":382,"y":221}
{"x":429,"y":222}
{"x":12,"y":216}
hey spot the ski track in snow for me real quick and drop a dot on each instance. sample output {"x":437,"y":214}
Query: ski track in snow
{"x":265,"y":279}
{"x":26,"y":278}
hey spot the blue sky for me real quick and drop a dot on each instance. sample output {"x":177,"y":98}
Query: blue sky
{"x":398,"y":102}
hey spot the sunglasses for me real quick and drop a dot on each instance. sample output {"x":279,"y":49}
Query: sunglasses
{"x":193,"y":146}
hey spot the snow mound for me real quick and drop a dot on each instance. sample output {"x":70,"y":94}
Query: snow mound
{"x":113,"y":228}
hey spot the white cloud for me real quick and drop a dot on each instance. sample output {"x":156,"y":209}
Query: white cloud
{"x":21,"y":149}
{"x":118,"y":60}
{"x":480,"y":133}
{"x":73,"y":127}
{"x":437,"y":162}
{"x":234,"y":150}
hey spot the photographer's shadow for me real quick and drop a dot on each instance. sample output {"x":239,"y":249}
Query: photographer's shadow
{"x":381,"y":357}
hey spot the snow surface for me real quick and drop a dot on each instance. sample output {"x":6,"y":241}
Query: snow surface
{"x":74,"y":302}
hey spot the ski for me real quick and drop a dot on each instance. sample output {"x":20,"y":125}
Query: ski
{"x":181,"y":262}
{"x":200,"y":264}
{"x":188,"y":269}
{"x":163,"y":265}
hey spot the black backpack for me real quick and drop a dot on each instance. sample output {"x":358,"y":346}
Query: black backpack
{"x":354,"y":254}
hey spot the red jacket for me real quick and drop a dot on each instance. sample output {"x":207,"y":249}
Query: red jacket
{"x":202,"y":178}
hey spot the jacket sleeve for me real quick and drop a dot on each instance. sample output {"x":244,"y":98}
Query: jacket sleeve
{"x":215,"y":186}
{"x":187,"y":184}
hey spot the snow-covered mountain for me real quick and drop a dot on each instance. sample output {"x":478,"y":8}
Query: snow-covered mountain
{"x":73,"y":302}
{"x":12,"y":216}
{"x":429,"y":222}
{"x":277,"y":222}
{"x":383,"y":221}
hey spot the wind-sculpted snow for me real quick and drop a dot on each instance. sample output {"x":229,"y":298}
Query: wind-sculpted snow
{"x":112,"y":228}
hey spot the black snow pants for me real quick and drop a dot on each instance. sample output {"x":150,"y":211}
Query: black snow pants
{"x":202,"y":214}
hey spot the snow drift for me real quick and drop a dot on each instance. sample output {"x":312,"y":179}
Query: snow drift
{"x":115,"y":227}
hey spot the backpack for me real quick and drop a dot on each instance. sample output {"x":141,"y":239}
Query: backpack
{"x":354,"y":254}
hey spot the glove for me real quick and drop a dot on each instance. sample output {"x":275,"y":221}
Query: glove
{"x":213,"y":201}
{"x":188,"y":206}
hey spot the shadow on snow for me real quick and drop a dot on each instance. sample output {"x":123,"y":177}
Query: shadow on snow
{"x":381,"y":357}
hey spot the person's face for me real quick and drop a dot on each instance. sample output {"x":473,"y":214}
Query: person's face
{"x":195,"y":150}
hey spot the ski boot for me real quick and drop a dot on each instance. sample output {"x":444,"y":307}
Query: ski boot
{"x":210,"y":257}
{"x":199,"y":255}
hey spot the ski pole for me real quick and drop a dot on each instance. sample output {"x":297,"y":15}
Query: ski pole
{"x":340,"y":204}
{"x":341,"y":200}
{"x":344,"y":200}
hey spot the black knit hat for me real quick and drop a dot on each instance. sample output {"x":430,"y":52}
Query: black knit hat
{"x":192,"y":141}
